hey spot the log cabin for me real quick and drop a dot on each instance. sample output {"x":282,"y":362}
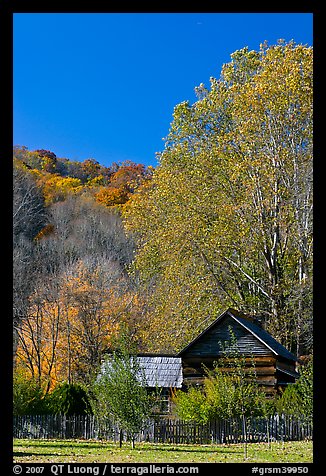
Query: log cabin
{"x":274,"y":366}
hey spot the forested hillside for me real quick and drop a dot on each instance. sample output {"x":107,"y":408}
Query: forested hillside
{"x":224,"y":220}
{"x":71,"y":256}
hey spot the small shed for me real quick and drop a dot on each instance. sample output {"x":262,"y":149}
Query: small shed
{"x":274,"y":365}
{"x":162,"y":372}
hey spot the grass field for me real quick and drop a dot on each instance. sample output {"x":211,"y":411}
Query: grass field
{"x":91,"y":451}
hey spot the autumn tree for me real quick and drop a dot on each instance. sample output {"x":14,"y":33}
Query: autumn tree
{"x":92,"y":317}
{"x":71,"y":320}
{"x":57,"y":188}
{"x":66,"y":328}
{"x":112,"y":196}
{"x":228,"y":218}
{"x":129,"y":176}
{"x":48,"y":160}
{"x":123,"y":183}
{"x":38,"y":337}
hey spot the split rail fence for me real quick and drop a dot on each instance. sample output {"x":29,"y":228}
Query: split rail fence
{"x":163,"y":430}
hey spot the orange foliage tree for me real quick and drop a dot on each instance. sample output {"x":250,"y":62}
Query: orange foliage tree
{"x":111,"y":196}
{"x":38,"y":338}
{"x":123,"y":183}
{"x":65,"y":334}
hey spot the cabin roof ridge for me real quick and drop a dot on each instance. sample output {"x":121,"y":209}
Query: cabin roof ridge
{"x":248,"y":323}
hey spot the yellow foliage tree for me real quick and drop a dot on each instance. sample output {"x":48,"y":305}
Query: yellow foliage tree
{"x":57,"y":188}
{"x":227,"y":220}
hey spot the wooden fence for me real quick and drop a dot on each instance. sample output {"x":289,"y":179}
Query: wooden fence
{"x":231,"y":430}
{"x":163,"y":430}
{"x":276,"y":428}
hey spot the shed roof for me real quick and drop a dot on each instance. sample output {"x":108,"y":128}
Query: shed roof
{"x":163,"y":371}
{"x":264,"y":337}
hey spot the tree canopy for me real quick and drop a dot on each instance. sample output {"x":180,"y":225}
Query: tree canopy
{"x":227,"y":217}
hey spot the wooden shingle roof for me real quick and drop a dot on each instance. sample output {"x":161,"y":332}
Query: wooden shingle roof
{"x":163,"y":371}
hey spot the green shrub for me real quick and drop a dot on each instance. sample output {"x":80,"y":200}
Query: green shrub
{"x":192,"y":406}
{"x":297,"y":399}
{"x":28,"y":396}
{"x":69,"y":399}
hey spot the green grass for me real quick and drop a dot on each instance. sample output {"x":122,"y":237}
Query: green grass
{"x":91,"y":451}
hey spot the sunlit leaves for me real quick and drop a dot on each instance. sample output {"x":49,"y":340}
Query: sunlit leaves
{"x":227,"y":220}
{"x":70,"y":326}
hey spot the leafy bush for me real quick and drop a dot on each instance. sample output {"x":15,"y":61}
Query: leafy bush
{"x":192,"y":406}
{"x":28,"y":396}
{"x":222,"y":396}
{"x":69,"y":399}
{"x":297,"y":399}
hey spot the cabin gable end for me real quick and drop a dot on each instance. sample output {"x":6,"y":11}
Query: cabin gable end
{"x":213,"y":341}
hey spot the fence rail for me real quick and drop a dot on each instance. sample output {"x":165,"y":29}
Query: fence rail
{"x":163,"y":430}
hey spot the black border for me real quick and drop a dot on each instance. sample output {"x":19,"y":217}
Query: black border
{"x":7,"y":9}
